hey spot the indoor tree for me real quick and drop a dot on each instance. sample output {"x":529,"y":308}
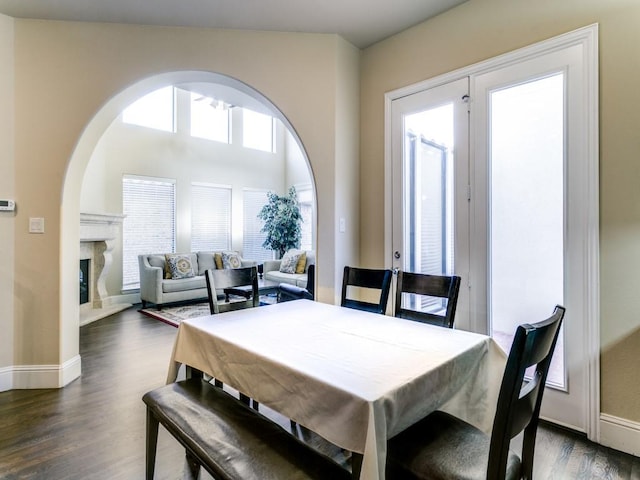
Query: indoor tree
{"x":282,"y":219}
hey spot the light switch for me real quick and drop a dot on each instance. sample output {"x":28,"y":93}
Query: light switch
{"x":36,"y":225}
{"x":343,"y":225}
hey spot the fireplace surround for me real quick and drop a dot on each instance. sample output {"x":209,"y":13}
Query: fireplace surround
{"x":98,"y":234}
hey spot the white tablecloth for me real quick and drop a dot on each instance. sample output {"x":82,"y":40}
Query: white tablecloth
{"x":353,"y":377}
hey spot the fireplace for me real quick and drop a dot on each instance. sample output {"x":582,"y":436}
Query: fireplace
{"x":98,"y":236}
{"x":84,"y":280}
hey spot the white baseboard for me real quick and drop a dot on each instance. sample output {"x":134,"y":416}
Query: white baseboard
{"x":110,"y":305}
{"x":91,"y":315}
{"x":71,"y":369}
{"x":620,"y":434}
{"x":132,"y":298}
{"x":6,"y":379}
{"x":46,"y":376}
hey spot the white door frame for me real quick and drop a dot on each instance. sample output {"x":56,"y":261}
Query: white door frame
{"x":588,"y":38}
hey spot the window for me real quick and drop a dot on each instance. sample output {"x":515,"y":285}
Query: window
{"x":149,"y":206}
{"x":253,"y":238}
{"x":305,"y":202}
{"x":209,"y":118}
{"x":210,"y":217}
{"x":258,"y":131}
{"x":154,"y":110}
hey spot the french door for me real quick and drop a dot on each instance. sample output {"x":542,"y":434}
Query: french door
{"x":492,"y":179}
{"x":430,"y":138}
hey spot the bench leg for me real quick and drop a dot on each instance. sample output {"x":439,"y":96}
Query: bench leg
{"x":356,"y":464}
{"x":193,"y":467}
{"x":152,"y":443}
{"x":193,"y":372}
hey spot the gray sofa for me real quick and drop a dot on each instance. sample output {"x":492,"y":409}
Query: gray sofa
{"x":271,"y":270}
{"x":158,"y":290}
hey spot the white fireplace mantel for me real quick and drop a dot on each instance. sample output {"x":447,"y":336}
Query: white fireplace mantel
{"x":99,"y":233}
{"x":95,"y":227}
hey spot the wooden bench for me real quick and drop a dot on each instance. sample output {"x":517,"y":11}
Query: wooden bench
{"x":229,"y":439}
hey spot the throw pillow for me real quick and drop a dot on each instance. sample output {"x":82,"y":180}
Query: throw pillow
{"x":302,"y":263}
{"x":231,"y":260}
{"x":180,"y":266}
{"x":217,"y":258}
{"x":289,"y":261}
{"x":160,"y":261}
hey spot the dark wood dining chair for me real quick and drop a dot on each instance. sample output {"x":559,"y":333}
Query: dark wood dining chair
{"x":444,"y":447}
{"x":220,"y":280}
{"x":370,"y":279}
{"x":440,"y":288}
{"x":288,"y":292}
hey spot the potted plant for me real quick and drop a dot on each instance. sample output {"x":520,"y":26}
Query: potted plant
{"x":282,"y":219}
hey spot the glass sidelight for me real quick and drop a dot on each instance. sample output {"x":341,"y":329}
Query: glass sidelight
{"x":526,"y":212}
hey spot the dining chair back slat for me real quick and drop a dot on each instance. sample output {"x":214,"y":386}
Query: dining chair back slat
{"x":370,"y":279}
{"x":424,"y":285}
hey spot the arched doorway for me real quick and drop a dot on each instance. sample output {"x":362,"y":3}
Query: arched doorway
{"x":241,"y":95}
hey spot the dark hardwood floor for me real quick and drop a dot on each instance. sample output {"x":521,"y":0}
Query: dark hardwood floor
{"x":95,"y":427}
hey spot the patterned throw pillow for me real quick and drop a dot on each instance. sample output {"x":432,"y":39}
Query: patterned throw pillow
{"x":290,"y":260}
{"x":180,"y":266}
{"x":231,"y":260}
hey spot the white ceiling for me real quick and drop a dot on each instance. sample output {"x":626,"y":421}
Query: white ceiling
{"x":361,"y":22}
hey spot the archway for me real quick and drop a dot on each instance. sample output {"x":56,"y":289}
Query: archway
{"x":70,"y":210}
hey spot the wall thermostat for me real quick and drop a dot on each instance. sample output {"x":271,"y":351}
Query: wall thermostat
{"x":7,"y":205}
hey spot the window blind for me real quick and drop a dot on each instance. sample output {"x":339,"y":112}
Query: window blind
{"x":149,"y":206}
{"x":210,"y":217}
{"x":253,"y":238}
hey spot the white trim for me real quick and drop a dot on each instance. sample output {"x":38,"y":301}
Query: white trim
{"x":586,"y":35}
{"x":129,"y":297}
{"x":6,"y":379}
{"x":71,"y":369}
{"x":588,"y":38}
{"x":621,"y":434}
{"x":46,"y":376}
{"x":592,"y":268}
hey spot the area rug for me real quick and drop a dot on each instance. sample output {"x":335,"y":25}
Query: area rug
{"x":174,"y":315}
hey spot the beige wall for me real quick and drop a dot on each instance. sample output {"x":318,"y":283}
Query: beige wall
{"x":481,"y":29}
{"x":347,"y":206}
{"x":7,"y":191}
{"x":73,"y":78}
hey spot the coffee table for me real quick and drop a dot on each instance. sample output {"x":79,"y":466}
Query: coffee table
{"x":265,"y":287}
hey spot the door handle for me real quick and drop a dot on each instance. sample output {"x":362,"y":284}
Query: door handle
{"x":396,"y":255}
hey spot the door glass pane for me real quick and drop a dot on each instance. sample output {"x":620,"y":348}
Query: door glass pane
{"x":526,"y":267}
{"x":428,"y":198}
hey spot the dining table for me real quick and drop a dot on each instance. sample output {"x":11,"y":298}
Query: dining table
{"x":353,"y":377}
